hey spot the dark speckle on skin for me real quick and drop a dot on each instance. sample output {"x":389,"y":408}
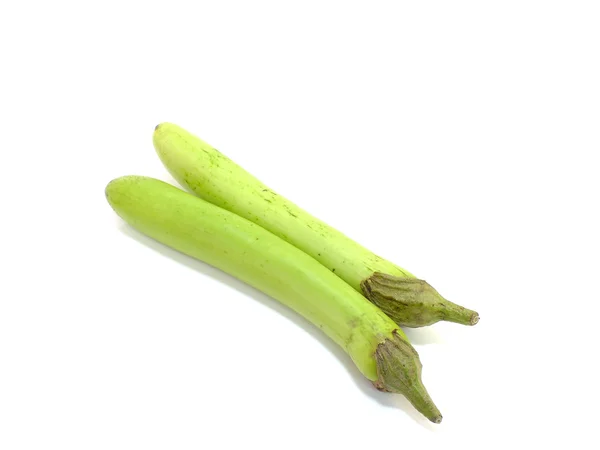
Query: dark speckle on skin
{"x":333,"y":270}
{"x":353,"y":323}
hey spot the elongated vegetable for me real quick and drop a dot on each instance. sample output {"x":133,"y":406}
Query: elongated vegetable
{"x":212,"y":176}
{"x":237,"y":246}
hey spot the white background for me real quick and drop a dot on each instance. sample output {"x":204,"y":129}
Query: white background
{"x":458,"y":139}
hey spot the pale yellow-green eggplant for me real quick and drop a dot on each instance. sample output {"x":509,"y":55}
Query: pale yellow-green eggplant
{"x":247,"y":251}
{"x":212,"y":176}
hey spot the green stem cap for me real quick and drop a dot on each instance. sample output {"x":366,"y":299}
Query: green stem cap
{"x":412,"y":302}
{"x":399,"y":370}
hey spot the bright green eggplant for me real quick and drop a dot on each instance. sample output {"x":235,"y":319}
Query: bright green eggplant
{"x":209,"y":174}
{"x":247,"y":251}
